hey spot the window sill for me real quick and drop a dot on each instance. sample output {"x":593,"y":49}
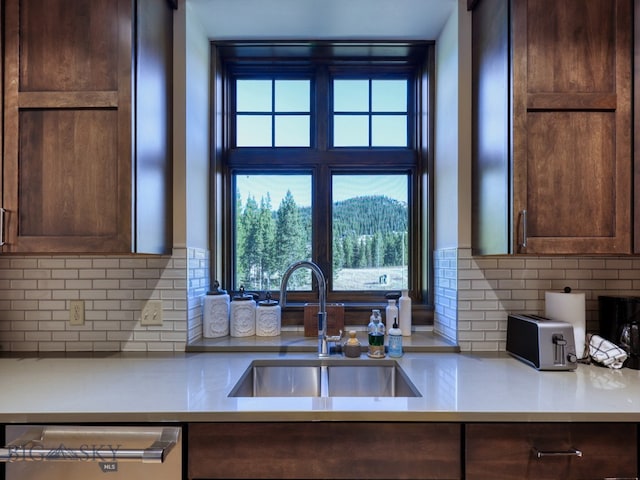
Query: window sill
{"x":294,"y":341}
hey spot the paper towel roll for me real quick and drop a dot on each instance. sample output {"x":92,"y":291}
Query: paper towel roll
{"x":570,"y":308}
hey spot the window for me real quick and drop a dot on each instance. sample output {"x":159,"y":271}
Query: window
{"x":370,"y":113}
{"x":272,"y":113}
{"x":324,"y":157}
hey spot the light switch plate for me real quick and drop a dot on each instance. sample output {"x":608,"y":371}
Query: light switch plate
{"x":151,"y":313}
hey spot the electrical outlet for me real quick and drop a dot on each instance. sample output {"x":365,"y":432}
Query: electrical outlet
{"x":152,"y":313}
{"x":76,"y":312}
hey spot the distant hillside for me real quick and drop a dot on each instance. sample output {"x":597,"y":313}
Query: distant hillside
{"x":370,"y":214}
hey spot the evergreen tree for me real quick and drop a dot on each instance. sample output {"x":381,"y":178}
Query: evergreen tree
{"x":377,"y":250}
{"x":240,"y":239}
{"x":338,"y":255}
{"x":391,"y":254}
{"x":368,"y":251}
{"x":361,"y":261}
{"x":348,"y":251}
{"x":252,"y":245}
{"x":291,"y":243}
{"x":267,"y":232}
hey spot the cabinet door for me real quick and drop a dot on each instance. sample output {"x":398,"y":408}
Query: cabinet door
{"x":572,"y":126}
{"x":67,"y":158}
{"x":324,"y":450}
{"x":491,"y":154}
{"x":557,"y":451}
{"x":636,"y":127}
{"x":88,"y":126}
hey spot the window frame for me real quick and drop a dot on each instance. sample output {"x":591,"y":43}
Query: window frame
{"x":322,"y":159}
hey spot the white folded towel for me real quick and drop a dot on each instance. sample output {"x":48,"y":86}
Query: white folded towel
{"x":606,"y":353}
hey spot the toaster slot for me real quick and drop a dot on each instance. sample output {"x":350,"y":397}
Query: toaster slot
{"x":559,"y":349}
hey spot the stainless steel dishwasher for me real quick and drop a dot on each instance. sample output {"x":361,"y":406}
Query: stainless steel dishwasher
{"x":66,"y":452}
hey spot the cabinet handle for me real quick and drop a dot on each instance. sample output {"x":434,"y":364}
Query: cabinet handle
{"x":2,"y":212}
{"x":572,"y":452}
{"x":524,"y":228}
{"x":35,"y":446}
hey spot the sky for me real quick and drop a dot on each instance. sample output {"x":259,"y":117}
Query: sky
{"x":344,"y":187}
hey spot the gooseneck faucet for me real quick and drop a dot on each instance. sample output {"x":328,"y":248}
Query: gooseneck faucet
{"x":323,"y":339}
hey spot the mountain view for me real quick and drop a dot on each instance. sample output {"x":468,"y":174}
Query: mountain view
{"x":369,"y":243}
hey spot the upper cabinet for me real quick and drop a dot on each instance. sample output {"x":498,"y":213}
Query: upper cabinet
{"x":87,"y":126}
{"x":552,"y":146}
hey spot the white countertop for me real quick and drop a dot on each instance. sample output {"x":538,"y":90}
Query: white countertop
{"x":194,"y":387}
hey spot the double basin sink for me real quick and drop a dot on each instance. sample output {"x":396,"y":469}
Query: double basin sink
{"x":324,"y":378}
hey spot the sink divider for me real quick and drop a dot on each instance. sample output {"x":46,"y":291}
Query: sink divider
{"x":324,"y":381}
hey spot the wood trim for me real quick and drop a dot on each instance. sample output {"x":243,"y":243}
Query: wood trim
{"x":322,"y":160}
{"x":68,"y":100}
{"x":636,"y":127}
{"x":578,"y":101}
{"x":11,"y":120}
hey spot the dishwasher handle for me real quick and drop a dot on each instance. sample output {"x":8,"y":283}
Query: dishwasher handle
{"x":33,"y":450}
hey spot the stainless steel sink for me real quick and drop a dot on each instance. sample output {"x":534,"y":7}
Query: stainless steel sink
{"x":278,"y":380}
{"x":324,"y":378}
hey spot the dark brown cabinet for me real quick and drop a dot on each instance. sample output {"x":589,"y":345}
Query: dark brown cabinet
{"x":324,"y":450}
{"x":636,"y":128}
{"x":551,"y":451}
{"x":552,"y":158}
{"x":87,"y":126}
{"x":500,"y":451}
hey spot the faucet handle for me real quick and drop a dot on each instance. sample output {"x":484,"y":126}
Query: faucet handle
{"x":334,"y":338}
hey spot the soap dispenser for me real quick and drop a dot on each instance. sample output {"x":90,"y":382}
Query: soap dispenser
{"x":395,"y":340}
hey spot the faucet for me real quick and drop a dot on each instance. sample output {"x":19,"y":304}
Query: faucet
{"x":323,"y":339}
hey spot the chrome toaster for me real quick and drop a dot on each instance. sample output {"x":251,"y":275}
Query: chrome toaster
{"x":542,"y":343}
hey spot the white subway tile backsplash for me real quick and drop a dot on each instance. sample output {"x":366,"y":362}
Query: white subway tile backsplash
{"x":35,"y":294}
{"x":489,"y":288}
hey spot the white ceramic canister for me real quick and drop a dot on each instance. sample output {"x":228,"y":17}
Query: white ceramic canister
{"x":216,"y":313}
{"x":268,"y":318}
{"x":243,"y":315}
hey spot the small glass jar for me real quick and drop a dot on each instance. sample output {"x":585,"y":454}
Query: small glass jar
{"x":375,"y":332}
{"x":351,"y":347}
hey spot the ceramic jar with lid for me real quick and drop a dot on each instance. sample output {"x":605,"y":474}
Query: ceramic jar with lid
{"x":268,"y":317}
{"x":351,"y":347}
{"x":215,"y":321}
{"x":243,"y":315}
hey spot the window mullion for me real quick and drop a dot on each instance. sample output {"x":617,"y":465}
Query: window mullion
{"x":273,"y":112}
{"x":370,"y":112}
{"x":322,"y":110}
{"x":322,"y":220}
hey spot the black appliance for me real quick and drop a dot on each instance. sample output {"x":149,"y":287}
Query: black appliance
{"x":619,"y":319}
